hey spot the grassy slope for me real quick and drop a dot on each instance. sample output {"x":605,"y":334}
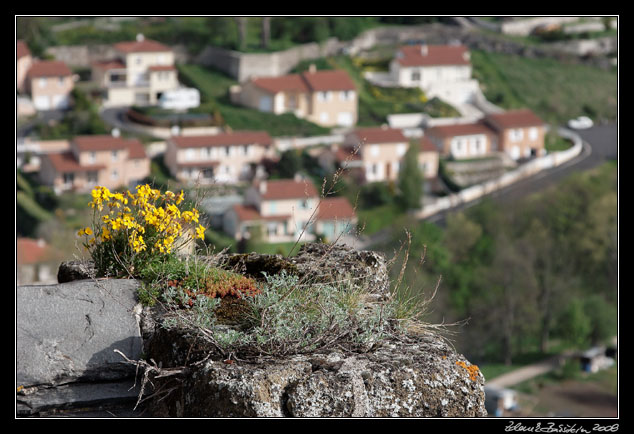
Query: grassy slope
{"x":555,"y":91}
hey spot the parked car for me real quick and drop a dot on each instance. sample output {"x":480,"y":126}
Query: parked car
{"x":580,"y":123}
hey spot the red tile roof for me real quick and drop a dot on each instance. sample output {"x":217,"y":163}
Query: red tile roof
{"x":109,"y":64}
{"x":21,"y":49}
{"x":459,"y":130}
{"x":347,"y":154}
{"x":49,"y":68}
{"x":515,"y":119}
{"x":285,"y":83}
{"x":65,"y":162}
{"x":144,"y":46}
{"x":307,"y":82}
{"x":250,"y":213}
{"x":236,"y":138}
{"x":427,"y":145}
{"x":335,"y":208}
{"x":30,"y":251}
{"x":162,"y":68}
{"x":246,"y":213}
{"x":329,"y":80}
{"x":280,"y":189}
{"x":379,"y":135}
{"x":415,"y":55}
{"x":105,"y":142}
{"x":136,"y":150}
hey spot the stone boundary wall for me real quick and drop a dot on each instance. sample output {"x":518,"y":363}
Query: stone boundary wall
{"x":241,"y":66}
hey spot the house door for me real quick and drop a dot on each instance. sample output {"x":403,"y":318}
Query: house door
{"x":42,"y":103}
{"x":266,"y":104}
{"x":388,"y":170}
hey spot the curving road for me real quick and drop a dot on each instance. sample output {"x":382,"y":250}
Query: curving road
{"x":600,"y":145}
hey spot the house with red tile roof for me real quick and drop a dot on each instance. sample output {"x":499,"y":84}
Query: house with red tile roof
{"x":328,"y":98}
{"x":50,"y":83}
{"x":520,"y":133}
{"x":377,"y":154}
{"x":460,"y":141}
{"x":286,"y":210}
{"x":140,"y":73}
{"x":105,"y":160}
{"x":439,"y":70}
{"x":36,"y":261}
{"x":228,"y":157}
{"x":23,"y":63}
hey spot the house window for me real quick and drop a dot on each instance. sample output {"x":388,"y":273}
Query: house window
{"x":416,"y":76}
{"x":69,"y":178}
{"x":92,"y":178}
{"x":114,"y":155}
{"x":114,"y":174}
{"x":271,"y":228}
{"x":323,"y":117}
{"x":138,"y":60}
{"x":42,"y":82}
{"x":400,"y":149}
{"x":60,"y":81}
{"x":189,"y":154}
{"x":517,"y":134}
{"x":346,"y":95}
{"x":374,"y":150}
{"x":92,"y":157}
{"x":532,"y":133}
{"x":304,"y":204}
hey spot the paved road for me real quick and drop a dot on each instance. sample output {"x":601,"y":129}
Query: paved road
{"x":600,"y":145}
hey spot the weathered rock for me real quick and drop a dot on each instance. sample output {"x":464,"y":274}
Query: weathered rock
{"x":67,"y":334}
{"x":317,"y":262}
{"x":423,"y":377}
{"x":70,"y":271}
{"x":413,"y":380}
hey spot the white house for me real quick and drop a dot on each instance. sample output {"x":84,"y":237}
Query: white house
{"x":442,"y":71}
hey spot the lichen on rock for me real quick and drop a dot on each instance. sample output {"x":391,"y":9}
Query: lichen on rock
{"x":402,"y":376}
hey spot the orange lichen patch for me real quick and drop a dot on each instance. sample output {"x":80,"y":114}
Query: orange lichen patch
{"x":471,"y":369}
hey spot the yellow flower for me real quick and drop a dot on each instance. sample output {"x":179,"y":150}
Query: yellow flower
{"x":84,"y":231}
{"x":200,"y":232}
{"x":180,"y":197}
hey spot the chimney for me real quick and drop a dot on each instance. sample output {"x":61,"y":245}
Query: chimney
{"x":298,"y":177}
{"x":424,"y":50}
{"x":312,"y":68}
{"x":262,"y":187}
{"x":140,"y":37}
{"x":115,"y":132}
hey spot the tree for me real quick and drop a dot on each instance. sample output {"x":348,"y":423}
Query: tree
{"x":290,"y":163}
{"x":242,"y":32}
{"x":410,"y":181}
{"x":266,"y":32}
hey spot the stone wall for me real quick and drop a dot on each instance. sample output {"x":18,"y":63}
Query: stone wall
{"x":72,"y":336}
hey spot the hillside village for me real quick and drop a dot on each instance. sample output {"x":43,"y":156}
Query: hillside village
{"x":162,"y":124}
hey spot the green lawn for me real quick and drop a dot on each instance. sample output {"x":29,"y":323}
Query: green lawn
{"x":556,"y":91}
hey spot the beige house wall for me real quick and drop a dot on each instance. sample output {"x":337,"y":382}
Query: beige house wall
{"x":137,"y":65}
{"x":51,"y":88}
{"x":428,"y":163}
{"x":519,"y":142}
{"x":22,"y":67}
{"x":231,"y":163}
{"x":327,"y":108}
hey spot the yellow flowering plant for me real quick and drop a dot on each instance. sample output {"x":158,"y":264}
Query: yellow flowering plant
{"x":130,"y":229}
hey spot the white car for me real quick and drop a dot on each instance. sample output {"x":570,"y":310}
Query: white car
{"x":581,"y":123}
